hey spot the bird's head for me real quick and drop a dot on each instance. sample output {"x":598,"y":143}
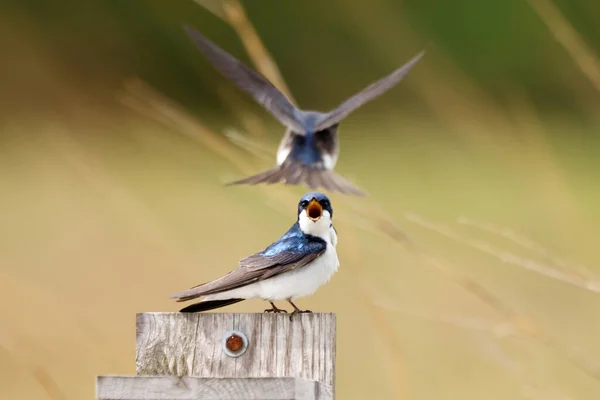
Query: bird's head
{"x":315,"y":213}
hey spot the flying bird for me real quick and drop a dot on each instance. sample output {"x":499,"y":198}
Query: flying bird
{"x":294,"y":266}
{"x":309,"y":149}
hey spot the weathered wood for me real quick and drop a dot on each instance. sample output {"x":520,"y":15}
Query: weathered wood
{"x":193,"y":388}
{"x":184,"y":344}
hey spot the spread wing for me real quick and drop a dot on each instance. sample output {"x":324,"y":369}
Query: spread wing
{"x":249,"y":80}
{"x":369,"y":93}
{"x":288,"y":253}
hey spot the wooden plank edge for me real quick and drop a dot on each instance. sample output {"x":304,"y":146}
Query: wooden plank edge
{"x":195,"y":388}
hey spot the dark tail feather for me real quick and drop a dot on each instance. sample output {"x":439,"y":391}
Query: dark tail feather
{"x":209,"y":305}
{"x":270,"y":176}
{"x":295,"y":174}
{"x":334,"y":182}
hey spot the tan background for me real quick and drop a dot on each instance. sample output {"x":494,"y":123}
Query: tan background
{"x":486,"y":155}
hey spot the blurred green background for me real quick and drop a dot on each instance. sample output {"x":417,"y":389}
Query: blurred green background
{"x":114,"y":145}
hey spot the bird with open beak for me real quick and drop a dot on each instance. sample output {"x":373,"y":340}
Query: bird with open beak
{"x":294,"y":266}
{"x":309,"y":149}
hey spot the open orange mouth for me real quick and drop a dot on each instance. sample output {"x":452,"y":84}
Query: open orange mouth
{"x":314,"y":210}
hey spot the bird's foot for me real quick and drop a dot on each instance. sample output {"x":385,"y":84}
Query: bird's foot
{"x":298,"y":311}
{"x":275,"y":310}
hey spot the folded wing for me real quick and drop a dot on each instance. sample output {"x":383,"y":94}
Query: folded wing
{"x":287,"y":254}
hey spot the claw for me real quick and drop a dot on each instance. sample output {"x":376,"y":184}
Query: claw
{"x":298,"y":311}
{"x":274,"y":309}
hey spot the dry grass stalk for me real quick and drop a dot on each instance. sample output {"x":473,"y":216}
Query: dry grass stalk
{"x":525,"y":324}
{"x":89,"y":168}
{"x":567,"y":36}
{"x":256,"y":148}
{"x":525,"y":242}
{"x":232,"y":12}
{"x":507,"y":257}
{"x":251,"y":122}
{"x":499,"y":329}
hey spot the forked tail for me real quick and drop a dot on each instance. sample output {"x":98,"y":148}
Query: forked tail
{"x":208,"y":305}
{"x":292,"y":173}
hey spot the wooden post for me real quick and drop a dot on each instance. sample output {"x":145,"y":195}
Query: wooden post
{"x":229,"y":356}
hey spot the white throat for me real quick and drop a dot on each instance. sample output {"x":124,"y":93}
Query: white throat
{"x":322,"y":228}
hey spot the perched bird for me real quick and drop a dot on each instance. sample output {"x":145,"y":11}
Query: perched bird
{"x":309,"y":149}
{"x":294,"y":266}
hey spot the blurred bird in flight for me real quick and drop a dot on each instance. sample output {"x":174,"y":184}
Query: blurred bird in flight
{"x":294,"y":266}
{"x":309,"y":149}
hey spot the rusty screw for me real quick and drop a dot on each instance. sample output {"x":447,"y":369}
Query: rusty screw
{"x":234,"y":343}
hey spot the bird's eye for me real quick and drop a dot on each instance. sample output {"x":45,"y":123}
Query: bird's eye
{"x":325,"y":203}
{"x":304,"y":203}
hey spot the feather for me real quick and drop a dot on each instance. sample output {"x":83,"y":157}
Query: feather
{"x":249,"y":81}
{"x":295,"y":173}
{"x":367,"y":94}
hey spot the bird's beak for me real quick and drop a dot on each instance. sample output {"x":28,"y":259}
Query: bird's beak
{"x":314,"y":211}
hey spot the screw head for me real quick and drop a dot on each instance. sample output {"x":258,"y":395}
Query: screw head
{"x":234,"y":343}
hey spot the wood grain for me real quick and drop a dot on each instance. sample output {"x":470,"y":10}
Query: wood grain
{"x":182,"y":344}
{"x":193,"y":388}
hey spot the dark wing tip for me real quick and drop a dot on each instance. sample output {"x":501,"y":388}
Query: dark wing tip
{"x":419,"y":56}
{"x":201,"y":41}
{"x":191,"y":293}
{"x":189,"y":29}
{"x":177,"y":295}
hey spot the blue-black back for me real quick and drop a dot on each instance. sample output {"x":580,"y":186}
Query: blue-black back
{"x":294,"y":241}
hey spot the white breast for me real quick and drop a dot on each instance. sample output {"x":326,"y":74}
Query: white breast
{"x":303,"y":281}
{"x":294,"y":284}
